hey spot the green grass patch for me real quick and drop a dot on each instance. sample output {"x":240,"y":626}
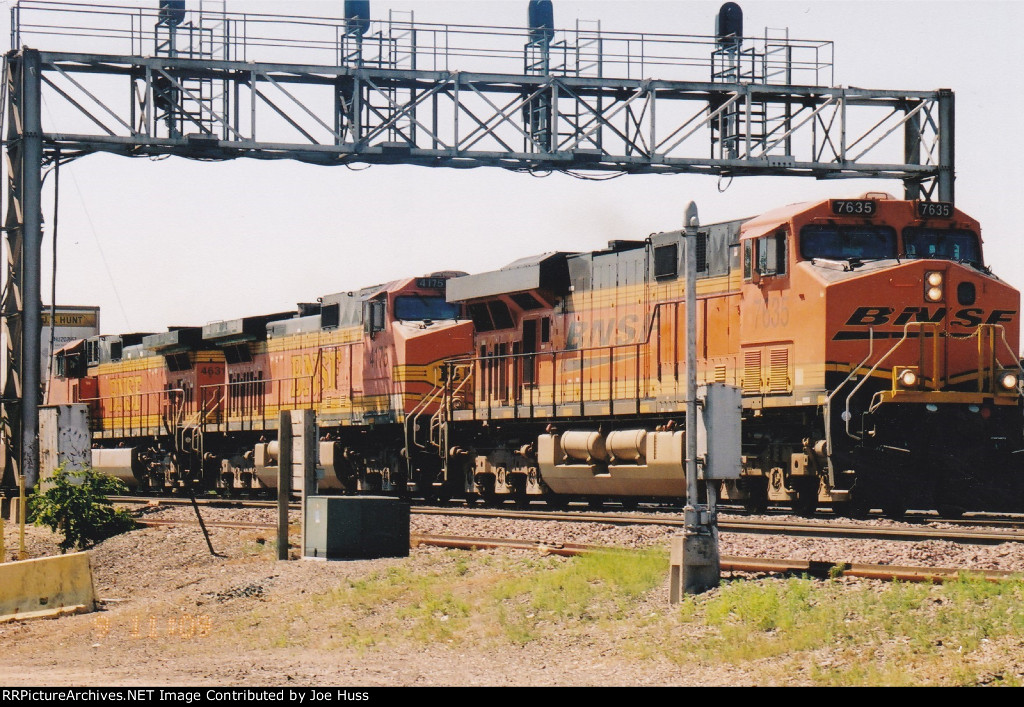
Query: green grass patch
{"x":768,"y":631}
{"x":601,"y":586}
{"x":870,"y":634}
{"x":455,"y":599}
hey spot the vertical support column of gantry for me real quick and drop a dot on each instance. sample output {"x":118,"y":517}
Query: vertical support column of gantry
{"x":166,"y":95}
{"x":10,"y":306}
{"x":912,"y":148}
{"x":947,"y":151}
{"x":541,"y":115}
{"x":349,"y":95}
{"x":21,"y":305}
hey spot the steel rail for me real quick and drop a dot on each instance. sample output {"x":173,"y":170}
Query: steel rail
{"x":801,"y":528}
{"x":744,"y":525}
{"x":232,"y":524}
{"x":731,"y":563}
{"x":728,"y":563}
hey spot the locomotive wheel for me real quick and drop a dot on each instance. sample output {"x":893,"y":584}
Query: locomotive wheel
{"x":850,"y":509}
{"x":556,"y":501}
{"x":894,"y":510}
{"x":442,"y":494}
{"x":521,"y":501}
{"x":806,"y":498}
{"x":948,"y":510}
{"x":756,"y":501}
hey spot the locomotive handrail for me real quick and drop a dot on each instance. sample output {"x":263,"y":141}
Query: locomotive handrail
{"x":984,"y":373}
{"x":445,"y":407}
{"x":847,"y":416}
{"x":97,"y":406}
{"x":583,"y":352}
{"x":260,"y":400}
{"x":995,"y":359}
{"x":1014,"y":356}
{"x":224,"y":398}
{"x":828,"y":400}
{"x":984,"y":370}
{"x":410,"y":422}
{"x":488,"y":364}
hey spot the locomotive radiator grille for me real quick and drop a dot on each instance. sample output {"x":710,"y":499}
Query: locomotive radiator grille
{"x":751,"y":372}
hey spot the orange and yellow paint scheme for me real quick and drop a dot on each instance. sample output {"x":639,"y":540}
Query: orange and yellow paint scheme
{"x":851,"y":326}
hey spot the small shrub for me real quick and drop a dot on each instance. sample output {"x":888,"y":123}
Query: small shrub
{"x":76,"y":506}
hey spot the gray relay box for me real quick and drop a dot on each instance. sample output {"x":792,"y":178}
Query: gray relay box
{"x":719,"y":437}
{"x":356,"y":527}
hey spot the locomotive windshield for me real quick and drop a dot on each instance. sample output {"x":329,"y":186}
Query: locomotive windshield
{"x":420,"y":308}
{"x":945,"y":244}
{"x":842,"y":242}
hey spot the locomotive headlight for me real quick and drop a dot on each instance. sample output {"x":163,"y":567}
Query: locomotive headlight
{"x":1008,"y":380}
{"x":933,"y":289}
{"x":934,"y":279}
{"x":907,"y":378}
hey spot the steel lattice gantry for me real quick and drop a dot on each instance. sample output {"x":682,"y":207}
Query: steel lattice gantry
{"x":537,"y":120}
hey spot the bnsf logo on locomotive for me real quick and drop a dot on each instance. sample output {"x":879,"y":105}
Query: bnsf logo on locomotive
{"x":603,"y":332}
{"x":967,"y":317}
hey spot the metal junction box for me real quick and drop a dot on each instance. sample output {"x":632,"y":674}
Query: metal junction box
{"x":63,"y":438}
{"x":356,"y":527}
{"x":718,"y":431}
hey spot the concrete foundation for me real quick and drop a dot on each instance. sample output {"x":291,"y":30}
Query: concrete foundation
{"x":694,"y":566}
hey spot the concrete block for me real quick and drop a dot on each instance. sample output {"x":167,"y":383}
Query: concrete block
{"x":694,"y":564}
{"x":46,"y":586}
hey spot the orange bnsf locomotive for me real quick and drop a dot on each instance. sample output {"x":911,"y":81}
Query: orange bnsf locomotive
{"x":876,"y":354}
{"x":198,"y":407}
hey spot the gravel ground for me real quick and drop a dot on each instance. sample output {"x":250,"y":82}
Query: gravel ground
{"x":1007,"y":556}
{"x":157,"y":581}
{"x":929,"y":553}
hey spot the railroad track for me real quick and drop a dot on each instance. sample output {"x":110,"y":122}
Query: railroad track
{"x":912,"y":517}
{"x":732,"y":563}
{"x":783,"y":526}
{"x":728,"y":563}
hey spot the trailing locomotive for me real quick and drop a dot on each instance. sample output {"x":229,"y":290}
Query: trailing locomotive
{"x":198,"y":407}
{"x":875,"y":352}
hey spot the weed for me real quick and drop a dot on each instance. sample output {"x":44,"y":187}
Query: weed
{"x":75,"y":504}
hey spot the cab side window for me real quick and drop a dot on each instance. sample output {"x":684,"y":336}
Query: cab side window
{"x":772,"y":254}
